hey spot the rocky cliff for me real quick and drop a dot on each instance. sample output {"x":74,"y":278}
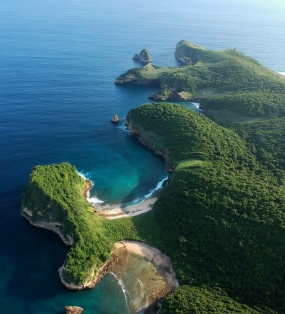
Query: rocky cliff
{"x":171,"y":94}
{"x":148,"y":139}
{"x":188,"y":53}
{"x":143,"y":56}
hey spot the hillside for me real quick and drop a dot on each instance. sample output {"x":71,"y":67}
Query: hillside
{"x":226,"y":83}
{"x":221,"y":218}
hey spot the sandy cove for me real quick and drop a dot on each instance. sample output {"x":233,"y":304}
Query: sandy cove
{"x":123,"y":254}
{"x":154,"y":255}
{"x":153,"y":271}
{"x":119,"y":212}
{"x":131,"y":211}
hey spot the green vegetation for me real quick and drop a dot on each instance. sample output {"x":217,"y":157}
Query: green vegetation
{"x":238,"y":84}
{"x":221,"y":217}
{"x":145,"y":55}
{"x":200,"y":300}
{"x":188,"y":53}
{"x":253,"y":104}
{"x":54,"y":195}
{"x":266,"y":139}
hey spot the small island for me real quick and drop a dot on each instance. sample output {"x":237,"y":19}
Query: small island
{"x":115,"y":119}
{"x":73,"y":310}
{"x":143,"y":56}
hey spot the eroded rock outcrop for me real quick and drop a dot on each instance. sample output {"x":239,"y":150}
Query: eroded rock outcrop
{"x":143,"y":56}
{"x":73,"y":310}
{"x":128,"y":78}
{"x":188,"y":53}
{"x":171,"y":94}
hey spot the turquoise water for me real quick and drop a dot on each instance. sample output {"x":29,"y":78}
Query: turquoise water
{"x":58,"y":62}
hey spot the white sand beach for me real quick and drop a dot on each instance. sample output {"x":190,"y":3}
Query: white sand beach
{"x":131,"y":211}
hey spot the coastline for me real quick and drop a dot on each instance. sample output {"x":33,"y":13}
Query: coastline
{"x":158,"y":268}
{"x":130,"y":211}
{"x":122,"y":212}
{"x":154,"y":255}
{"x":48,"y":226}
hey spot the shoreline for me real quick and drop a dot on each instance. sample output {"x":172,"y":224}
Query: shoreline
{"x":164,"y":275}
{"x":131,"y":211}
{"x":123,"y":212}
{"x":153,"y":254}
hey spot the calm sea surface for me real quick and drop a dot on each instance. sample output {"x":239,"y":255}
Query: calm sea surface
{"x":58,"y":62}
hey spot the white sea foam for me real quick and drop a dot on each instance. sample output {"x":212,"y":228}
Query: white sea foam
{"x":124,"y":128}
{"x":196,"y":104}
{"x":91,"y":200}
{"x":83,"y":176}
{"x":158,"y":187}
{"x":121,"y":285}
{"x":283,"y":73}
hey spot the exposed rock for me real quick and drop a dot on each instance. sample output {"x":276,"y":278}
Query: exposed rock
{"x":73,"y":310}
{"x":188,"y":53}
{"x":137,"y":132}
{"x":184,"y":96}
{"x":143,"y":56}
{"x":115,"y":119}
{"x":129,"y":78}
{"x":169,"y":94}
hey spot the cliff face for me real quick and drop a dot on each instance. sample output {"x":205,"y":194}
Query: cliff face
{"x":171,"y":94}
{"x":143,"y":56}
{"x":188,"y":53}
{"x":44,"y":212}
{"x":146,"y":140}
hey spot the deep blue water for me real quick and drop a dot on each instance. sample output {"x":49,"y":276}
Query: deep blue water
{"x":58,"y":62}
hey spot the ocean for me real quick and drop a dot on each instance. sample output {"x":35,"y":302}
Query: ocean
{"x":58,"y":62}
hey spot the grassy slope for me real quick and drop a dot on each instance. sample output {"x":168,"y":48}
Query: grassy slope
{"x":222,"y":80}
